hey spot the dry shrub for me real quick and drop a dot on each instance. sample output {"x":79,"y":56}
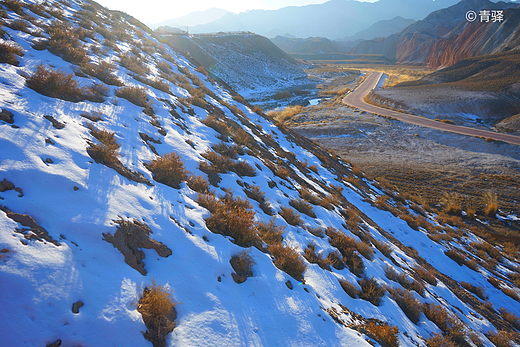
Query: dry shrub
{"x":303,"y":207}
{"x":316,"y":258}
{"x":371,"y":290}
{"x":501,"y":338}
{"x":243,"y":168}
{"x":168,"y":169}
{"x":14,"y":5}
{"x":491,"y":201}
{"x":382,"y":201}
{"x":383,"y":247}
{"x":219,"y":163}
{"x":198,"y":184}
{"x":56,"y":84}
{"x":383,"y":333}
{"x":288,"y":112}
{"x":104,"y":71}
{"x":487,"y":247}
{"x":451,"y":204}
{"x":271,"y":233}
{"x":309,"y":197}
{"x":158,"y":311}
{"x":136,"y":95}
{"x":288,"y":260}
{"x":64,"y":41}
{"x":456,"y":256}
{"x":105,"y":152}
{"x":494,"y":282}
{"x":346,"y":246}
{"x":291,"y":216}
{"x":439,"y":340}
{"x":477,"y":290}
{"x":404,"y":280}
{"x":254,"y":192}
{"x":228,"y":151}
{"x":233,"y":217}
{"x":313,"y":168}
{"x":510,"y":317}
{"x":329,"y":201}
{"x":104,"y":136}
{"x":365,"y":250}
{"x":349,"y":288}
{"x":448,"y":323}
{"x":9,"y":51}
{"x":133,"y":63}
{"x":242,"y":263}
{"x":218,"y":125}
{"x":426,"y":275}
{"x":407,"y":302}
{"x":513,"y":294}
{"x":336,"y":260}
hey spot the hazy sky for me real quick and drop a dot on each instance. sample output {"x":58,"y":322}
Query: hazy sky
{"x":154,"y":11}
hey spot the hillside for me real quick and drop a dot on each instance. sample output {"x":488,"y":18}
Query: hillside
{"x":143,"y":203}
{"x":309,"y":45}
{"x":247,"y":62}
{"x":445,"y":36}
{"x":193,"y":18}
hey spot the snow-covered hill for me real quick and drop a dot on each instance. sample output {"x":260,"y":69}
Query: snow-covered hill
{"x":108,"y":139}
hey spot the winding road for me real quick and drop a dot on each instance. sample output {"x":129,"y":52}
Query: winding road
{"x":356,"y":99}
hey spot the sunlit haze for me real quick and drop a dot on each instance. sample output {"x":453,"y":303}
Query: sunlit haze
{"x":154,"y":11}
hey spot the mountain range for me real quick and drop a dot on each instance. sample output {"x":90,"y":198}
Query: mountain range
{"x":445,"y":36}
{"x":335,"y":19}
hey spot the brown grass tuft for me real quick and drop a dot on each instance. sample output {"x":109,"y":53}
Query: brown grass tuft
{"x":316,"y":258}
{"x":349,"y":288}
{"x":254,"y":192}
{"x":336,"y":260}
{"x":383,"y":333}
{"x":407,"y":302}
{"x":501,"y":338}
{"x":271,"y":233}
{"x":158,"y":311}
{"x":371,"y":290}
{"x":477,"y":290}
{"x":303,"y":207}
{"x":242,"y":263}
{"x":233,"y":217}
{"x":288,"y":260}
{"x":168,"y":169}
{"x":9,"y":51}
{"x":491,"y":201}
{"x":439,"y":340}
{"x":136,"y":95}
{"x":291,"y":216}
{"x":447,"y":322}
{"x":426,"y":275}
{"x":198,"y":184}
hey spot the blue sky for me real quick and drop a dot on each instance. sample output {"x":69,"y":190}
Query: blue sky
{"x":154,"y":11}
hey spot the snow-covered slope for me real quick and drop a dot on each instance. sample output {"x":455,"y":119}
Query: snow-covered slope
{"x":85,"y":219}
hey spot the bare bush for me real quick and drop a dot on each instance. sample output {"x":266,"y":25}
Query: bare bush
{"x":168,"y":169}
{"x":288,"y":260}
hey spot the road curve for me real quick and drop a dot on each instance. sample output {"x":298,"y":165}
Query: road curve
{"x":356,"y":99}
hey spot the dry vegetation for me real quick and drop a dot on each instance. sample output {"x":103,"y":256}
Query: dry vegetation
{"x":168,"y":169}
{"x":157,"y":308}
{"x":288,"y":260}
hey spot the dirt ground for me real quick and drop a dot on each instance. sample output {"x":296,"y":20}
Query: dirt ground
{"x":420,"y":161}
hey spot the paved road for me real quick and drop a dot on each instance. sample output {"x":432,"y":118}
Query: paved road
{"x":356,"y":99}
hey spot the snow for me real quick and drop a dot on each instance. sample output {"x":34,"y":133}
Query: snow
{"x":40,"y":281}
